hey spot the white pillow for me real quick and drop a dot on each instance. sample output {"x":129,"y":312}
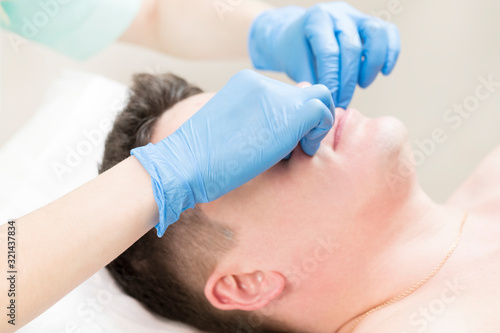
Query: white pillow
{"x":56,"y":151}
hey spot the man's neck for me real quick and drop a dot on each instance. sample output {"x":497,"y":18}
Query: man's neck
{"x":400,"y":246}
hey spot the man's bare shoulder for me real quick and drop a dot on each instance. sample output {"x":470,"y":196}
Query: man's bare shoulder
{"x":455,"y":305}
{"x":437,"y":317}
{"x":481,"y":191}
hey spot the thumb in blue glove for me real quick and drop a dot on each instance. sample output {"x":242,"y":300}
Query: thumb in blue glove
{"x":248,"y":126}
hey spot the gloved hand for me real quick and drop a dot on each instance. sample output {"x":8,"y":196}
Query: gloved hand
{"x":248,"y":126}
{"x":325,"y":44}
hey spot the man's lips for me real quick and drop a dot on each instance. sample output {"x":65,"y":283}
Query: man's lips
{"x":340,"y":119}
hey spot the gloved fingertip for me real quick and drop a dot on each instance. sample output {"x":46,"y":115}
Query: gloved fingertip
{"x":366,"y":78}
{"x":386,"y":71}
{"x":344,"y":105}
{"x":287,"y":157}
{"x":364,"y":84}
{"x":310,"y":148}
{"x":388,"y":67}
{"x":335,"y":100}
{"x":332,"y":82}
{"x":344,"y":100}
{"x":322,"y":93}
{"x":391,"y":61}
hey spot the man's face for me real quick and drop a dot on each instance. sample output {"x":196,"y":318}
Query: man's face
{"x":283,"y":216}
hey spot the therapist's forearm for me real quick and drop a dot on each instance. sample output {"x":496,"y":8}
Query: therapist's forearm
{"x":64,"y":243}
{"x":195,"y":29}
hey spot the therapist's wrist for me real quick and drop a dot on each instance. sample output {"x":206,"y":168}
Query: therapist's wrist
{"x":135,"y":184}
{"x":175,"y":180}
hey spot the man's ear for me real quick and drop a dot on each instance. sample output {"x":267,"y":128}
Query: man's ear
{"x":247,"y":292}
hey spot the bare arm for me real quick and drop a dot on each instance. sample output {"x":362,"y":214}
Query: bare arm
{"x":195,"y":29}
{"x":116,"y":209}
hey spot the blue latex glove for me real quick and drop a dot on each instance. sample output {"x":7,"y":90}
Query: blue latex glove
{"x":248,"y":126}
{"x":331,"y":43}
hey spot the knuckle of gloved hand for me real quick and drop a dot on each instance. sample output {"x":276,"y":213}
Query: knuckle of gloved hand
{"x":251,"y":80}
{"x":316,"y":12}
{"x":320,"y":92}
{"x":342,"y":4}
{"x":315,"y":105}
{"x":245,"y":74}
{"x":341,"y":7}
{"x":394,"y":28}
{"x":391,"y":25}
{"x":316,"y":8}
{"x":373,"y":26}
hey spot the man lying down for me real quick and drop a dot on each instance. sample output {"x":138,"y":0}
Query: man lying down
{"x":316,"y":244}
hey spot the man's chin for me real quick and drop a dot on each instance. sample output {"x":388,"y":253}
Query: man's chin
{"x":400,"y":172}
{"x":393,"y":134}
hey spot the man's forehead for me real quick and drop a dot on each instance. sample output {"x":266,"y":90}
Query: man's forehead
{"x":173,"y":118}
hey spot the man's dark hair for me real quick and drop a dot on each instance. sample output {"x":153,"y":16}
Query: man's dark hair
{"x":167,"y":275}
